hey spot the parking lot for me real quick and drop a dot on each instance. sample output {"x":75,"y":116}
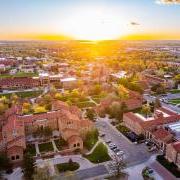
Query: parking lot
{"x":133,"y":153}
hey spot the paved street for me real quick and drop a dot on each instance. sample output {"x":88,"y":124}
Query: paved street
{"x":91,"y":172}
{"x":162,"y":171}
{"x":134,"y":154}
{"x":135,"y":171}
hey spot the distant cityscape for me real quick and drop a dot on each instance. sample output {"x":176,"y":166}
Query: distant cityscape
{"x":89,"y":90}
{"x":90,"y":108}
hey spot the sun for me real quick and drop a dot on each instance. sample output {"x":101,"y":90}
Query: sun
{"x":94,"y":24}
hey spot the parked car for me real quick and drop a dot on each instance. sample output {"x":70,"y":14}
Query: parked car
{"x":108,"y":141}
{"x":148,"y":143}
{"x":113,"y":147}
{"x":153,"y":148}
{"x":120,"y":153}
{"x":150,"y":170}
{"x":116,"y":150}
{"x":102,"y":135}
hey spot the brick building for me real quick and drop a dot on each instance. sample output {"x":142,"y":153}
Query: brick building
{"x":162,"y":129}
{"x":65,"y":119}
{"x":18,"y":83}
{"x":173,"y":153}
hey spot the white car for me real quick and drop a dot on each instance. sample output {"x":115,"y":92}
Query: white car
{"x":112,"y":145}
{"x":120,"y":153}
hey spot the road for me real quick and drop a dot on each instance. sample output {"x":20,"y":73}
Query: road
{"x":91,"y":172}
{"x":134,"y":154}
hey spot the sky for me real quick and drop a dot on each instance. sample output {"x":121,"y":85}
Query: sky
{"x":89,"y":19}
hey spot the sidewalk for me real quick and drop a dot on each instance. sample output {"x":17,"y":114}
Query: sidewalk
{"x":162,"y":171}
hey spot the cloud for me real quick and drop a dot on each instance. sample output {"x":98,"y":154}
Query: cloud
{"x":168,"y":1}
{"x":134,"y":23}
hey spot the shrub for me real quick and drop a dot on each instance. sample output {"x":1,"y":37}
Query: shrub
{"x":168,"y":165}
{"x":70,"y":166}
{"x":45,"y":147}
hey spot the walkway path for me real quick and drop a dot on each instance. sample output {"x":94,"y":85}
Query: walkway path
{"x":99,"y":141}
{"x":37,"y":148}
{"x":91,"y":100}
{"x":84,"y":163}
{"x":162,"y":171}
{"x":54,"y":146}
{"x":16,"y":175}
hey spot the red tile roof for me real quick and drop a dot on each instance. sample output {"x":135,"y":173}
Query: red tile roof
{"x":176,"y":146}
{"x":73,"y":138}
{"x":161,"y":134}
{"x":155,"y":122}
{"x":167,"y":111}
{"x":24,"y":81}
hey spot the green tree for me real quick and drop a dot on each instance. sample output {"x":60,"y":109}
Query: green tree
{"x":96,"y":89}
{"x":14,"y":98}
{"x":90,"y":113}
{"x":28,"y":166}
{"x":157,"y":103}
{"x":47,"y":131}
{"x":4,"y":162}
{"x":119,"y":165}
{"x":39,"y":109}
{"x":146,"y":110}
{"x":122,"y":92}
{"x":115,"y":110}
{"x":42,"y":174}
{"x":159,"y":88}
{"x":2,"y":108}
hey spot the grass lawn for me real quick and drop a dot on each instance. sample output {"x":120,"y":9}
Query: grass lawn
{"x":97,"y":100}
{"x":99,"y":155}
{"x":24,"y":94}
{"x":60,"y":143}
{"x":168,"y":165}
{"x":45,"y":147}
{"x":85,"y":104}
{"x":31,"y":149}
{"x":19,"y":74}
{"x":174,"y":91}
{"x":69,"y":166}
{"x":175,"y":101}
{"x":91,"y":139}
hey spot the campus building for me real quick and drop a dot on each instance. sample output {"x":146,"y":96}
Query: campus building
{"x":163,"y":129}
{"x":64,"y":119}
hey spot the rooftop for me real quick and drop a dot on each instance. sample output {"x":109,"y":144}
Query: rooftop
{"x":68,"y":79}
{"x":175,"y":128}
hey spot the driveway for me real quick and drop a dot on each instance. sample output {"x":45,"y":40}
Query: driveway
{"x":134,"y":154}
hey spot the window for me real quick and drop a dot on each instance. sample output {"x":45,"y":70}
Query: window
{"x":12,"y":158}
{"x":78,"y":144}
{"x":17,"y":156}
{"x":74,"y":145}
